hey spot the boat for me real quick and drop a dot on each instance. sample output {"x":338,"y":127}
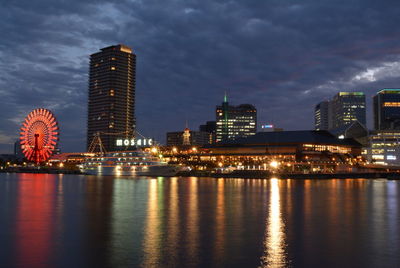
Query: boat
{"x":128,"y":163}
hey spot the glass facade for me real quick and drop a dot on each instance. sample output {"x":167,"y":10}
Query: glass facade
{"x":235,"y":121}
{"x":348,"y":107}
{"x":387,"y":109}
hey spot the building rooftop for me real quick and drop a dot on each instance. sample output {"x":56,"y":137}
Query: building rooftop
{"x":300,"y":136}
{"x":119,"y":47}
{"x":389,"y":91}
{"x":351,"y":93}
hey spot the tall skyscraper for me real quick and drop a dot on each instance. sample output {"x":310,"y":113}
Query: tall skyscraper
{"x":387,"y":109}
{"x":347,"y":107}
{"x":111,"y":105}
{"x":322,"y":115}
{"x":235,"y":121}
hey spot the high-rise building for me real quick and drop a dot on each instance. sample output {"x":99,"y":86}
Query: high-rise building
{"x":322,"y":116}
{"x":387,"y":110}
{"x":235,"y":121}
{"x":111,"y":106}
{"x":348,"y":107}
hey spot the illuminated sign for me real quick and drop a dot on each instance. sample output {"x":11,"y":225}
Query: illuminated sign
{"x":134,"y":142}
{"x":267,"y":126}
{"x":391,"y":157}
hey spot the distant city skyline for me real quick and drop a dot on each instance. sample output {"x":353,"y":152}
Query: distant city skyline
{"x":265,"y":53}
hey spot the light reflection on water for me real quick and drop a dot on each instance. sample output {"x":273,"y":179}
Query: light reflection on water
{"x":275,"y":247}
{"x":152,"y":239}
{"x":89,"y":221}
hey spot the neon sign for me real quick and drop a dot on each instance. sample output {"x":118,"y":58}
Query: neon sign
{"x":134,"y":142}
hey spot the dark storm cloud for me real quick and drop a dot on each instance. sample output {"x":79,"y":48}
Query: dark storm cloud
{"x":282,"y":56}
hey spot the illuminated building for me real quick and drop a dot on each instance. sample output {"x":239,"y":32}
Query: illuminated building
{"x":348,"y":107}
{"x":111,"y":106}
{"x":187,"y":138}
{"x":387,"y":109}
{"x":235,"y":121}
{"x":384,"y":148}
{"x":291,"y":151}
{"x":321,"y":115}
{"x":344,"y":109}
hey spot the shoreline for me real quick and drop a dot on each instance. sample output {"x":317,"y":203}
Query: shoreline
{"x":243,"y":174}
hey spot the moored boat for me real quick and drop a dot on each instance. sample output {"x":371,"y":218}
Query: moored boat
{"x":128,"y":163}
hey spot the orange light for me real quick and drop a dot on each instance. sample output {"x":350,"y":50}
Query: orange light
{"x":391,"y":104}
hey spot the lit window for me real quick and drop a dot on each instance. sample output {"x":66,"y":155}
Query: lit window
{"x":113,"y":68}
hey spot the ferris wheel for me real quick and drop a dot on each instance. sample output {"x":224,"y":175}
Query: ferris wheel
{"x":39,"y":135}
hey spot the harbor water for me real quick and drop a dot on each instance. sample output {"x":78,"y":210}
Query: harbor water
{"x":49,"y":220}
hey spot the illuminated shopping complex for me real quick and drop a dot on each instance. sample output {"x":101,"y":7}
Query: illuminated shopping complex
{"x":288,"y":151}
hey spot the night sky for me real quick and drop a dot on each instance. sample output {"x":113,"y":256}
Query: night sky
{"x":282,"y":56}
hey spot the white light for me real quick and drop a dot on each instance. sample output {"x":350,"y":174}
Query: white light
{"x":274,"y":164}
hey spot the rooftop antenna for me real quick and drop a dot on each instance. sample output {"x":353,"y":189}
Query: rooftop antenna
{"x":225,"y":97}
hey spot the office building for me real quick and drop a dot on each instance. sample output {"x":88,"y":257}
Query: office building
{"x":387,"y":109}
{"x":348,"y":107}
{"x":235,"y":121}
{"x":322,"y":115}
{"x":344,"y":109}
{"x":384,"y":147}
{"x":111,"y":105}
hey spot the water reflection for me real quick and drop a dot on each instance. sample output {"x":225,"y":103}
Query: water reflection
{"x":35,"y":220}
{"x":173,"y":222}
{"x":274,"y":244}
{"x":193,"y":222}
{"x":151,"y":242}
{"x":74,"y":221}
{"x":220,"y":221}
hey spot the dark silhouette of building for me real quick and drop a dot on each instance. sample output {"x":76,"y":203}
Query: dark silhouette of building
{"x":188,"y":138}
{"x":111,"y":107}
{"x":235,"y":121}
{"x":209,"y":127}
{"x":387,"y":109}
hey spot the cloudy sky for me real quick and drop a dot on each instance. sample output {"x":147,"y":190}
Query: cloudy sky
{"x":283,"y":56}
